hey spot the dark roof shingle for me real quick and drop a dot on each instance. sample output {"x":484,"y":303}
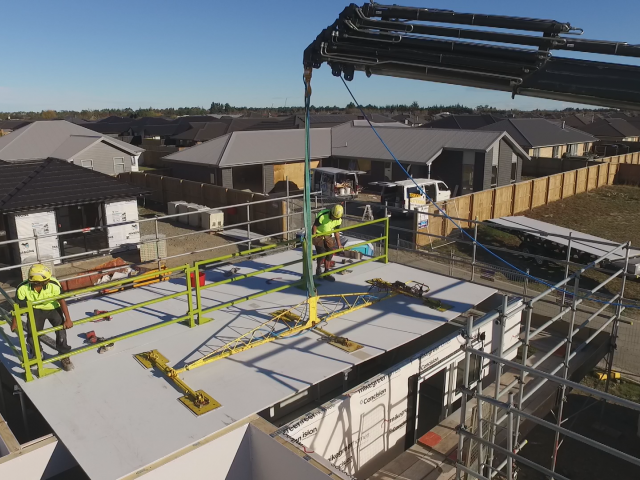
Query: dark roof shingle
{"x":54,"y":183}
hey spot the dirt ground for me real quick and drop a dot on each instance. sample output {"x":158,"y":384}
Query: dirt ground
{"x":586,"y":416}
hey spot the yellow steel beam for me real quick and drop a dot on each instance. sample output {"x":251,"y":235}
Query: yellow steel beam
{"x":198,"y":401}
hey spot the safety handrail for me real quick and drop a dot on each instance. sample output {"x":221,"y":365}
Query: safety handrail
{"x":191,"y":275}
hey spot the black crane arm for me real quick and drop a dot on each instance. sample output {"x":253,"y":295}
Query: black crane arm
{"x":511,"y":54}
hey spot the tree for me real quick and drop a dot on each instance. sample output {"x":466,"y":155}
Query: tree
{"x":49,"y":114}
{"x":414,"y":106}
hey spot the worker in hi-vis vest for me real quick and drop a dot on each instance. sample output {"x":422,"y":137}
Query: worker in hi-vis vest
{"x":42,"y":286}
{"x":327,"y":221}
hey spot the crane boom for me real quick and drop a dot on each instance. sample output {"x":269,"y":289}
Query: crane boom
{"x":511,"y":54}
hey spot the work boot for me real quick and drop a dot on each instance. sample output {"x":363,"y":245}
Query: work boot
{"x":63,"y":348}
{"x":319,"y":272}
{"x":67,"y":366}
{"x":331,"y":278}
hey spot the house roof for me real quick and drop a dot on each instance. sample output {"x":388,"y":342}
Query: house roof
{"x":539,"y":132}
{"x":463,"y":122}
{"x":13,"y":124}
{"x":612,"y":127}
{"x":411,"y":145}
{"x":54,"y":183}
{"x":256,"y":147}
{"x":75,"y":144}
{"x":41,"y":139}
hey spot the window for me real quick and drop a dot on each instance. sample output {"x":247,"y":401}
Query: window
{"x":474,"y":371}
{"x":536,"y":152}
{"x":514,"y":168}
{"x":573,"y":149}
{"x":556,"y":152}
{"x":586,"y":148}
{"x":494,"y":175}
{"x":118,"y":164}
{"x":87,"y":164}
{"x":442,"y":186}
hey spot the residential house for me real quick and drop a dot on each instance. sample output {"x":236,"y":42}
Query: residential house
{"x":463,"y":122}
{"x":260,"y":161}
{"x":466,"y":160}
{"x":540,"y":137}
{"x":51,"y":196}
{"x":613,"y":130}
{"x":72,"y":143}
{"x":8,"y":126}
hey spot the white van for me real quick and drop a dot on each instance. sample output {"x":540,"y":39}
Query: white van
{"x":336,"y":182}
{"x":406,"y":195}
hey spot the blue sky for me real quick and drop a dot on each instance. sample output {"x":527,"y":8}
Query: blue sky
{"x":71,"y":54}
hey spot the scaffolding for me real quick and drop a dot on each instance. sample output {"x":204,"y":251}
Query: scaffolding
{"x":482,"y":453}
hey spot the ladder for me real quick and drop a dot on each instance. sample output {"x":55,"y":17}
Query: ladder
{"x":368,"y":214}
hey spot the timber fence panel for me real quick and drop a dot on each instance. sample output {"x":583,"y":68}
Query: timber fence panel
{"x":569,"y":184}
{"x":592,"y":180}
{"x":171,"y":189}
{"x":581,"y":180}
{"x":522,"y":196}
{"x":154,"y":184}
{"x":539,"y":196}
{"x":503,"y":200}
{"x":482,"y":205}
{"x":555,"y":188}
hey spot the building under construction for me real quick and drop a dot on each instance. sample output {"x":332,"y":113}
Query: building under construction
{"x":247,"y":366}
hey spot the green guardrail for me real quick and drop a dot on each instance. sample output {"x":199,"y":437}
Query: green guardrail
{"x":194,"y":314}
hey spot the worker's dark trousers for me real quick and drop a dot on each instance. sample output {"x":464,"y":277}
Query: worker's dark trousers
{"x":55,"y":319}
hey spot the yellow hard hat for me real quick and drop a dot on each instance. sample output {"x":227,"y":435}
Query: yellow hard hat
{"x":337,"y":211}
{"x":39,"y":273}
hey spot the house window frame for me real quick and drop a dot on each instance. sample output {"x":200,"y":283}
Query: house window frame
{"x":572,"y":149}
{"x":115,"y":170}
{"x":536,"y":152}
{"x":90,"y":167}
{"x":555,"y":153}
{"x":514,"y":168}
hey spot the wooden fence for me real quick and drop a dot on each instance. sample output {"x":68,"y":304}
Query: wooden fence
{"x":632,"y":158}
{"x":167,"y":189}
{"x":517,"y":198}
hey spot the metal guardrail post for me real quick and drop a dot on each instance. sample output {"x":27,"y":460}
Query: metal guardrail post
{"x":523,"y":374}
{"x":510,"y":434}
{"x":475,"y":243}
{"x":565,"y":370}
{"x":566,"y":270}
{"x":192,"y":278}
{"x":463,"y":400}
{"x":616,"y":322}
{"x":198,"y":312}
{"x":502,"y":318}
{"x":35,"y":339}
{"x":249,"y":225}
{"x":26,"y":362}
{"x":386,"y":238}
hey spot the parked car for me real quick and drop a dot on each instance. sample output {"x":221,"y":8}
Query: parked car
{"x":406,"y":195}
